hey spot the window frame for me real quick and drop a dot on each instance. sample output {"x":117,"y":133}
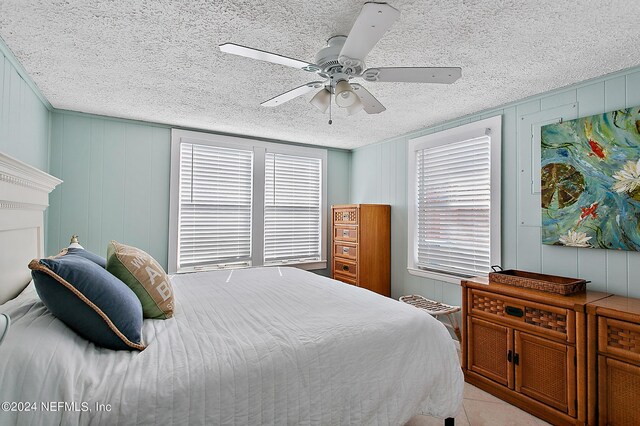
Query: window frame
{"x":491,"y":127}
{"x":259,"y":148}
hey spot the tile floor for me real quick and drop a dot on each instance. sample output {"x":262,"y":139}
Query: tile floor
{"x":480,"y":408}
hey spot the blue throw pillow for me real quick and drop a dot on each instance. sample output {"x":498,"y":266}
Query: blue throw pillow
{"x":91,"y":301}
{"x":84,"y":253}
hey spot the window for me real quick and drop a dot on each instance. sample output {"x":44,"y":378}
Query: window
{"x":454,"y":209}
{"x":240,"y":202}
{"x":292,"y":211}
{"x":214,"y":225}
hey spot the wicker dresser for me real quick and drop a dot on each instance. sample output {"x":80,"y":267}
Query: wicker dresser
{"x":614,"y":361}
{"x":528,"y":348}
{"x":362,"y":246}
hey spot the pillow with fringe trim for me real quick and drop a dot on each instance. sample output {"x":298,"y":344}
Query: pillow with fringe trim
{"x":90,"y":301}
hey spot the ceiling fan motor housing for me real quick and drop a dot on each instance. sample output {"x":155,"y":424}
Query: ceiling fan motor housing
{"x":330,"y":61}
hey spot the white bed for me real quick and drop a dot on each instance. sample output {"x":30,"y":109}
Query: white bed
{"x":252,"y":346}
{"x":256,"y":346}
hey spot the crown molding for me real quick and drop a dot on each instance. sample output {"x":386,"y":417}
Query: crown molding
{"x":18,"y":173}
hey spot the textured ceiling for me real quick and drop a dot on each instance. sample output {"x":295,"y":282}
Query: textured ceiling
{"x":158,"y":60}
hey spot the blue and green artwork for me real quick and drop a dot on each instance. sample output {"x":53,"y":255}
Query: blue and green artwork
{"x":590,"y":181}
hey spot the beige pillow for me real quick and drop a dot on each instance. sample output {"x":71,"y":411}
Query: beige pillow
{"x":144,"y":276}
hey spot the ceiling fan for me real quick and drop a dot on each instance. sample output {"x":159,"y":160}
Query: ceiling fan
{"x":343,"y":59}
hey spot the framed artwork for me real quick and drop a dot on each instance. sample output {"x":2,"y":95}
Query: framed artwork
{"x":590,"y":181}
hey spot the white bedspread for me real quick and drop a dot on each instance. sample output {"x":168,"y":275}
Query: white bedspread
{"x":248,"y":347}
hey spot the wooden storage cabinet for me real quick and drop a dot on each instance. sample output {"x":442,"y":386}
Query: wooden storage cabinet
{"x":362,"y":246}
{"x":527,"y":347}
{"x":614,"y":361}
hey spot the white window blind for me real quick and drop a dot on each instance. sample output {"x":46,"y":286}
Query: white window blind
{"x":454,"y":207}
{"x":215,"y":205}
{"x":292,"y":208}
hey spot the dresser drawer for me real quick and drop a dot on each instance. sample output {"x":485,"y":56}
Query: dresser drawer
{"x":345,"y":279}
{"x":345,"y":250}
{"x":545,"y":319}
{"x":347,"y":216}
{"x":345,"y":233}
{"x":345,"y":267}
{"x":619,"y":338}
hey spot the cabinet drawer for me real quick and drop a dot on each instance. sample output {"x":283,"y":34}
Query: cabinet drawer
{"x":620,"y":338}
{"x":345,"y":279}
{"x":345,"y":267}
{"x":544,"y":319}
{"x":347,"y":216}
{"x":344,"y":250}
{"x":345,"y":233}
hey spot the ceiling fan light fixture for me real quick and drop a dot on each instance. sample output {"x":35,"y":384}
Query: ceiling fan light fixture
{"x":321,"y":100}
{"x":345,"y":97}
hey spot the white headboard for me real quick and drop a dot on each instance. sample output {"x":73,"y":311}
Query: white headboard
{"x":24,"y":196}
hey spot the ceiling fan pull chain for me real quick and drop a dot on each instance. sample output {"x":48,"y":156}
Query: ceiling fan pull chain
{"x":330,"y":88}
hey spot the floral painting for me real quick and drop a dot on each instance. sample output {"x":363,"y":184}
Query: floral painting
{"x":591,"y":181}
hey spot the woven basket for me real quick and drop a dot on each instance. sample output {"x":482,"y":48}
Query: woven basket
{"x":541,"y":282}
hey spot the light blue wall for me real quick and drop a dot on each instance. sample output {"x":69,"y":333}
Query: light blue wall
{"x":116,"y":183}
{"x":379,"y":176}
{"x":24,"y":117}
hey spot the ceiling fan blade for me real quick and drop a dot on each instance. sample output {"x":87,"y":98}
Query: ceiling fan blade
{"x":374,"y":20}
{"x":293,"y":93}
{"x":442,"y":75}
{"x":261,"y":55}
{"x":370,"y":104}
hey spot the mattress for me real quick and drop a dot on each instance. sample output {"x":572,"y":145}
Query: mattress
{"x":245,"y":347}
